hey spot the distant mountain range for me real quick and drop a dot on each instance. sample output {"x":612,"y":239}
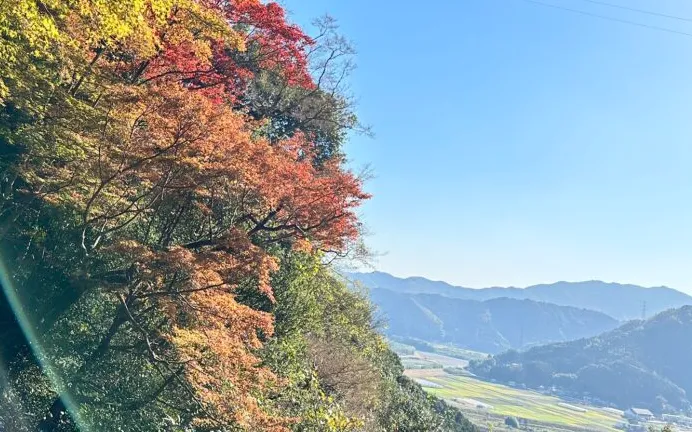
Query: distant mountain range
{"x":490,"y":326}
{"x":642,"y":363}
{"x":622,"y":302}
{"x":587,"y":353}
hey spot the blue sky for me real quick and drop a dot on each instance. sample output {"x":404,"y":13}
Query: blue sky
{"x":519,"y":144}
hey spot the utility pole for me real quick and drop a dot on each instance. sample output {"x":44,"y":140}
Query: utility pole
{"x":644,"y":310}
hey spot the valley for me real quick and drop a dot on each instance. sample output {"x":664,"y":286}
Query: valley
{"x":552,"y":366}
{"x":489,"y":404}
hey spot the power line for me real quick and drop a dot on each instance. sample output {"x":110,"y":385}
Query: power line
{"x":642,"y":11}
{"x":608,"y":18}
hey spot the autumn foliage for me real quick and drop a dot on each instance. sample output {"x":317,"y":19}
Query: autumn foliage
{"x":128,"y":118}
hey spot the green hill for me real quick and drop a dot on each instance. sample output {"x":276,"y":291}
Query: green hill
{"x":642,"y":363}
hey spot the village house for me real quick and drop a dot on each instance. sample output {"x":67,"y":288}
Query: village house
{"x":639,"y":414}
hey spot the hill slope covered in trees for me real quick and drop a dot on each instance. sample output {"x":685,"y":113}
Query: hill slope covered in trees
{"x":172,"y":185}
{"x":641,"y":363}
{"x":490,"y":326}
{"x":594,"y":295}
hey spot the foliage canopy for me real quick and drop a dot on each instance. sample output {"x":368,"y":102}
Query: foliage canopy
{"x":171,"y":186}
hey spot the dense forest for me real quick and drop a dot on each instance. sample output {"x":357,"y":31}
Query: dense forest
{"x":642,"y":364}
{"x":172,"y":192}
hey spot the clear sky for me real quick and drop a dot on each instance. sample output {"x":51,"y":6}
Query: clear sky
{"x":519,"y":144}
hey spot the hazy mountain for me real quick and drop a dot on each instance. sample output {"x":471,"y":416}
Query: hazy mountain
{"x":490,"y":326}
{"x":642,"y":363}
{"x":595,"y":295}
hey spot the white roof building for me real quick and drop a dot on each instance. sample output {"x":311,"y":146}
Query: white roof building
{"x":639,"y":413}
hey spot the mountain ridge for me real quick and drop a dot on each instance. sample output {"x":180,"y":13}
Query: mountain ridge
{"x":492,"y":326}
{"x":595,"y":295}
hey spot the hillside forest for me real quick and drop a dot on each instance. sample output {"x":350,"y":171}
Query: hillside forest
{"x":641,"y":363}
{"x":173,"y":189}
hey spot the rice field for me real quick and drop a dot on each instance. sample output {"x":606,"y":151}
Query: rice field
{"x":495,"y":402}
